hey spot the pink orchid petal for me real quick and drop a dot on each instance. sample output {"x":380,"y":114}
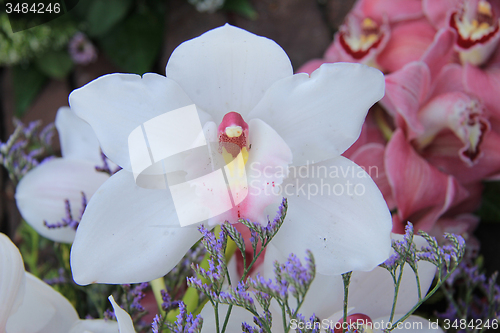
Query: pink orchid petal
{"x":438,"y":11}
{"x":421,"y":191}
{"x":440,"y":52}
{"x":406,"y":89}
{"x":449,"y":79}
{"x":443,"y":154}
{"x":371,"y":158}
{"x":394,"y":10}
{"x":460,"y":113}
{"x":409,"y":41}
{"x":485,"y":84}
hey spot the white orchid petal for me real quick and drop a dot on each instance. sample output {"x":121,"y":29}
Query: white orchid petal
{"x":128,"y":234}
{"x":125,"y":323}
{"x":95,"y":326}
{"x":114,"y":105}
{"x":325,"y":295}
{"x":78,"y":140}
{"x":372,"y":293}
{"x":12,"y":280}
{"x":413,"y":324}
{"x":227,"y":69}
{"x":41,"y":194}
{"x":337,"y":212}
{"x":320,"y":116}
{"x":44,"y":310}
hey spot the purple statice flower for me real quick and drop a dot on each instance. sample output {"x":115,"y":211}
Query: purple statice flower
{"x":298,"y":276}
{"x":109,"y":315}
{"x":187,"y":323}
{"x":24,"y":147}
{"x":81,"y":49}
{"x":137,"y":295}
{"x":68,"y":220}
{"x":237,"y":296}
{"x":167,"y":301}
{"x":155,"y":326}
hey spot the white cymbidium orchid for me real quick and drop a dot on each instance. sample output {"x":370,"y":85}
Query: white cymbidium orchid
{"x":29,"y":305}
{"x":245,"y":93}
{"x":41,"y":193}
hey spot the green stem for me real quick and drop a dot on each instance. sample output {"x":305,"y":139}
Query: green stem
{"x":346,"y":278}
{"x":157,"y":285}
{"x":396,"y":292}
{"x":382,"y":124}
{"x":415,"y":307}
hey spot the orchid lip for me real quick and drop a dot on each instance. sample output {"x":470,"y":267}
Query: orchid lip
{"x":474,"y":30}
{"x":358,"y":39}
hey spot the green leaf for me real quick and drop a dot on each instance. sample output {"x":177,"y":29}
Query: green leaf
{"x":27,"y":83}
{"x":102,"y":15}
{"x":55,"y":64}
{"x":490,"y":208}
{"x":242,"y":7}
{"x":135,"y":44}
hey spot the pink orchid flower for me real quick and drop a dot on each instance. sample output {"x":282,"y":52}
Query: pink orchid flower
{"x":475,"y":21}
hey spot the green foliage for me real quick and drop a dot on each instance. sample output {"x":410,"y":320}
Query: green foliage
{"x":490,"y":208}
{"x":102,"y":16}
{"x":27,"y":83}
{"x":242,"y":7}
{"x":55,"y":64}
{"x":135,"y":44}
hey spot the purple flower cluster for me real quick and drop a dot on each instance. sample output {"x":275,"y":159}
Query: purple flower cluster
{"x":187,"y":323}
{"x":167,"y":304}
{"x":481,"y":300}
{"x":25,"y":147}
{"x":81,"y":49}
{"x":68,"y":220}
{"x":237,"y":296}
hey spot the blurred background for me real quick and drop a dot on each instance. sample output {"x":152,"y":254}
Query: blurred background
{"x":41,"y":65}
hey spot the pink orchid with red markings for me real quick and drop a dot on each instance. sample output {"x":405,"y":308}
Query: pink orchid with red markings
{"x":475,"y":21}
{"x":383,"y":34}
